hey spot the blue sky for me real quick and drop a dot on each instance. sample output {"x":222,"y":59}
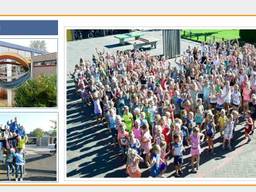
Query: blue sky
{"x":51,"y":44}
{"x":31,"y":121}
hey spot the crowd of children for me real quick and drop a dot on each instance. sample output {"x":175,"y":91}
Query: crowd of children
{"x":12,"y":145}
{"x":155,"y":107}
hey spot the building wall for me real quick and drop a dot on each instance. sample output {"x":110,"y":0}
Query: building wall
{"x":43,"y":70}
{"x":171,"y":43}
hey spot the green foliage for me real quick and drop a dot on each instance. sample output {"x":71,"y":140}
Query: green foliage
{"x":39,"y":92}
{"x":248,"y":35}
{"x":38,"y":133}
{"x":53,"y":132}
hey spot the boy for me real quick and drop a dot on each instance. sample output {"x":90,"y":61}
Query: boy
{"x":178,"y":154}
{"x":19,"y":164}
{"x":10,"y":162}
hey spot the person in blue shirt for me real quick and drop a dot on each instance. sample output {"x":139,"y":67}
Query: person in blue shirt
{"x":13,"y":125}
{"x":20,"y":130}
{"x":112,"y":124}
{"x":19,"y":164}
{"x":10,"y":156}
{"x":178,"y":154}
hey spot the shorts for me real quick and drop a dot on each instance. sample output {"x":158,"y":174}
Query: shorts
{"x":235,"y":105}
{"x":219,"y":107}
{"x":247,"y":130}
{"x":114,"y":133}
{"x":211,"y":135}
{"x":178,"y":160}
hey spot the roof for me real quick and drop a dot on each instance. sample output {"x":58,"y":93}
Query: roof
{"x":22,"y":48}
{"x":46,"y":57}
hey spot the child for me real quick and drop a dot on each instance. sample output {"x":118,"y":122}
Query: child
{"x":132,"y":165}
{"x":157,"y":164}
{"x":190,"y":121}
{"x":159,"y":136}
{"x":97,"y":106}
{"x":127,"y":119}
{"x":178,"y":154}
{"x":19,"y":164}
{"x":222,"y":121}
{"x":248,"y":127}
{"x":195,"y":140}
{"x":166,"y":131}
{"x":134,"y":143}
{"x":185,"y":135}
{"x":199,"y":117}
{"x":228,"y":132}
{"x":210,"y":132}
{"x":146,"y":143}
{"x":136,"y":129}
{"x":112,"y":121}
{"x":246,"y":96}
{"x":122,"y":137}
{"x":236,"y":98}
{"x":10,"y":162}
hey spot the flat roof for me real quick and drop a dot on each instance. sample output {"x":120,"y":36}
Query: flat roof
{"x":45,"y":57}
{"x":22,"y":48}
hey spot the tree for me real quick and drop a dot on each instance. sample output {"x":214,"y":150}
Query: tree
{"x":53,"y":132}
{"x":39,"y":92}
{"x":248,"y":35}
{"x":38,"y":133}
{"x":38,"y":44}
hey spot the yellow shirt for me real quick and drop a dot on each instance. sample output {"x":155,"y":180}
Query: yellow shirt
{"x":222,"y":121}
{"x":22,"y":143}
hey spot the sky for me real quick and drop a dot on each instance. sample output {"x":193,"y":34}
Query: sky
{"x":51,"y":44}
{"x":31,"y":121}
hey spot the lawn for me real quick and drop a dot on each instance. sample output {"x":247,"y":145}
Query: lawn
{"x":209,"y":35}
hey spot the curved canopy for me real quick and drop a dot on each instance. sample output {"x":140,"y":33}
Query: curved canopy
{"x":15,"y":83}
{"x":19,"y":60}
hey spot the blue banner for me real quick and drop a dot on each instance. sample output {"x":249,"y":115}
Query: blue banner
{"x":28,"y":27}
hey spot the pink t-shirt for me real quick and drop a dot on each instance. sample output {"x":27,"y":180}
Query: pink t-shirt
{"x":137,"y":133}
{"x":246,"y":94}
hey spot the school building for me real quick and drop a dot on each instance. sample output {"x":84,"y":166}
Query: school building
{"x":18,"y":64}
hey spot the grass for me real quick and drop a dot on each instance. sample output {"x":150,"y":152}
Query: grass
{"x":209,"y":35}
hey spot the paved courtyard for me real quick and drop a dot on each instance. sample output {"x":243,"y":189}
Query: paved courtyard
{"x":89,"y":149}
{"x":90,"y":153}
{"x":86,"y":47}
{"x":40,"y":165}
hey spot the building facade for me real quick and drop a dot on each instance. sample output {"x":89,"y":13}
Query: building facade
{"x":40,"y":62}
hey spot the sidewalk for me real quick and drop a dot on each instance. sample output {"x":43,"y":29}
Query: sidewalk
{"x":40,"y":165}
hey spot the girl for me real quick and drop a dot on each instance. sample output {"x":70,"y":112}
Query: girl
{"x":222,"y":121}
{"x":112,"y":124}
{"x":190,"y":121}
{"x":246,"y":96}
{"x":157,"y":164}
{"x":127,"y":119}
{"x":195,"y":138}
{"x":132,"y":165}
{"x":166,"y":131}
{"x":158,"y":137}
{"x":199,"y":117}
{"x":172,"y":109}
{"x":122,"y":138}
{"x":146,"y":143}
{"x":134,"y":143}
{"x":97,"y":107}
{"x":136,"y":129}
{"x":228,"y":132}
{"x":210,"y":131}
{"x":236,"y":98}
{"x":248,"y":127}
